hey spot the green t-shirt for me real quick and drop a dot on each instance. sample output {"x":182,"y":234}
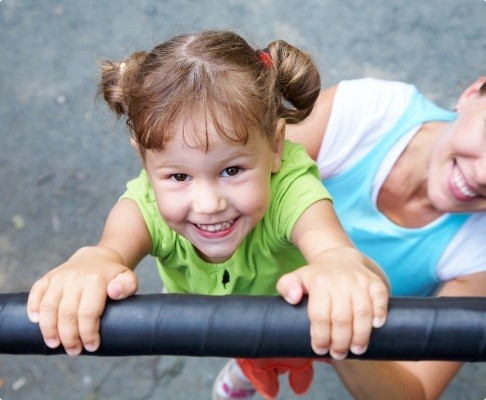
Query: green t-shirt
{"x":264,"y":255}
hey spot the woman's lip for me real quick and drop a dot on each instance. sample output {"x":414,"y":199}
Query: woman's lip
{"x":460,"y":189}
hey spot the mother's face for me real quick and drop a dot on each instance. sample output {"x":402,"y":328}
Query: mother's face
{"x":457,"y":179}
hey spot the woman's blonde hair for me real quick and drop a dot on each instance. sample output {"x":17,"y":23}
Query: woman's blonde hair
{"x":213,"y":77}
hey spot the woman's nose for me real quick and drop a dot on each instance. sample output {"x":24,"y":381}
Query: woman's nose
{"x":480,"y":170}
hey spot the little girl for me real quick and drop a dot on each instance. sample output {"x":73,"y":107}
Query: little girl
{"x":223,"y":202}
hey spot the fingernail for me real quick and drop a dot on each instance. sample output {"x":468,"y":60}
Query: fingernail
{"x":338,"y":356}
{"x":378,"y":322}
{"x":52,"y":343}
{"x":91,"y":347}
{"x":320,"y":351}
{"x":72,"y":351}
{"x":33,"y":316}
{"x":358,"y":350}
{"x":292,"y":297}
{"x":116,"y":290}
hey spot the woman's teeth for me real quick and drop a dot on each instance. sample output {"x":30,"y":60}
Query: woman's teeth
{"x":461,"y":184}
{"x":216,"y":227}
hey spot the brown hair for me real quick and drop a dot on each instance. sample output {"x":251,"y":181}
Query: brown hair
{"x":212,"y":76}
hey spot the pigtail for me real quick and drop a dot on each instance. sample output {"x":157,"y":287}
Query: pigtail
{"x":116,"y":82}
{"x":298,"y":81}
{"x":199,"y":78}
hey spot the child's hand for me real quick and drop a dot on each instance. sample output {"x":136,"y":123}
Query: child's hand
{"x":346,"y":299}
{"x":69,"y":300}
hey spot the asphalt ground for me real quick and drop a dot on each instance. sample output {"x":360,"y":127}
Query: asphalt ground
{"x":64,"y":161}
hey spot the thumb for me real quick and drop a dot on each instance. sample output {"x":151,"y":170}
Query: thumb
{"x":123,"y":285}
{"x":291,"y":287}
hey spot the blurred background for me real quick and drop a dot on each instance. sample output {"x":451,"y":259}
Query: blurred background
{"x":64,"y":161}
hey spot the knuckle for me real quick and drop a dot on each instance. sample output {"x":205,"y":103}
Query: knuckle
{"x":132,"y":285}
{"x":381,"y":310}
{"x":361,"y":336}
{"x":70,"y":341}
{"x":321,"y":281}
{"x":362,"y":311}
{"x":38,"y":284}
{"x":341,"y":320}
{"x":48,"y":307}
{"x":380,"y":290}
{"x":317,"y":317}
{"x":361,"y":342}
{"x":319,"y":338}
{"x":88,"y":313}
{"x":339,"y":348}
{"x":340,"y":345}
{"x":93,"y":279}
{"x":67,"y":316}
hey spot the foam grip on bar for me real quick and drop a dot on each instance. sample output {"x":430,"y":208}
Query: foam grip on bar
{"x":444,"y":328}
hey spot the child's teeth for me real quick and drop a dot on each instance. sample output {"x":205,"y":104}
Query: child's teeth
{"x":216,"y":227}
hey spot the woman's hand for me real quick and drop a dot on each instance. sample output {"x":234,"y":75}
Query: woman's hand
{"x":68,"y":301}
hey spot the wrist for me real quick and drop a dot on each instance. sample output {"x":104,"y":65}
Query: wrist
{"x":98,"y":251}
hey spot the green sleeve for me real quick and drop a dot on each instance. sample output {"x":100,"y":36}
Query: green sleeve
{"x":295,"y":188}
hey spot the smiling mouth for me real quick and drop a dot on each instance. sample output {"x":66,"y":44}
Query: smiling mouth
{"x":462,"y":185}
{"x":219,"y":227}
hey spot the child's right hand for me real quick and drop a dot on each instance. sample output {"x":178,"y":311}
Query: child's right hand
{"x":68,"y":301}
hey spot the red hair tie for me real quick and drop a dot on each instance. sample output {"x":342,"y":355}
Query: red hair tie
{"x":265,"y":58}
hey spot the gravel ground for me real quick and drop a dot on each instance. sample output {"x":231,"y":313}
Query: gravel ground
{"x":64,"y":161}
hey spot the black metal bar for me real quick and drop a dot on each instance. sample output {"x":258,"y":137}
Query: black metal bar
{"x":447,"y":328}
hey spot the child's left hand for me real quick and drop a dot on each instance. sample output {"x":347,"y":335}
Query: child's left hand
{"x":346,"y":299}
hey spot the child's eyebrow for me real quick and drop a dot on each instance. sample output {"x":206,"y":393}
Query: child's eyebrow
{"x":237,"y":155}
{"x":170,"y":166}
{"x":230,"y":155}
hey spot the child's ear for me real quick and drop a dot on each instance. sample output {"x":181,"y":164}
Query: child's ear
{"x":278,"y":144}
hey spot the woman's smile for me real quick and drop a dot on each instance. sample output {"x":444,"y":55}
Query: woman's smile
{"x":459,"y":187}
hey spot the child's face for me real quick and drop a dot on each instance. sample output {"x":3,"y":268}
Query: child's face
{"x":213,"y":198}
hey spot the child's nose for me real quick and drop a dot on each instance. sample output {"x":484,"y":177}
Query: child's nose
{"x":208,"y":200}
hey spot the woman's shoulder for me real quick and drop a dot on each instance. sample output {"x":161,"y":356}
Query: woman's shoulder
{"x":474,"y":229}
{"x":363,"y":111}
{"x":375,"y":85}
{"x":369,"y":104}
{"x":466,"y":254}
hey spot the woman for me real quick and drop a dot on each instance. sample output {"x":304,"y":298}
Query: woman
{"x":409,"y":186}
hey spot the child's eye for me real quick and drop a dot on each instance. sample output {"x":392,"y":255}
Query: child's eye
{"x":231,"y":171}
{"x":179,"y":177}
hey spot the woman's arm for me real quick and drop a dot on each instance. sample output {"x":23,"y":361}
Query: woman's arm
{"x":408,"y":380}
{"x":310,"y":132}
